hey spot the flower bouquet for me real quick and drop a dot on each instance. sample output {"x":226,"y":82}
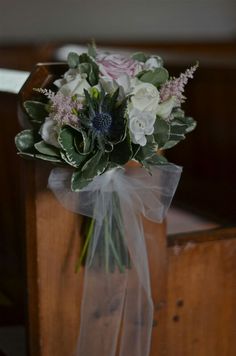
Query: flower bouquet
{"x":103,"y":112}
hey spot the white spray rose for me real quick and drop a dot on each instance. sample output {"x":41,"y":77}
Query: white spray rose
{"x":49,"y":132}
{"x":73,"y":83}
{"x":145,"y":97}
{"x":141,"y":123}
{"x":165,"y":108}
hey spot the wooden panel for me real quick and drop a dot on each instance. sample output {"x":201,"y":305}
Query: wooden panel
{"x":202,"y":299}
{"x":53,"y":240}
{"x":54,"y":289}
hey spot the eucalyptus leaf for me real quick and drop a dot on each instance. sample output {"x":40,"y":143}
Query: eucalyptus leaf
{"x":92,"y":50}
{"x":26,"y":139}
{"x":36,"y":110}
{"x":47,"y":149}
{"x":94,"y":70}
{"x":156,"y":77}
{"x":140,"y":57}
{"x":73,"y":60}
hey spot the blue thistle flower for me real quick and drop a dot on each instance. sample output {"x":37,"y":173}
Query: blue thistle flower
{"x":105,"y":120}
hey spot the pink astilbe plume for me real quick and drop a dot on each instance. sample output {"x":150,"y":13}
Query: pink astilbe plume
{"x":175,"y":86}
{"x":64,"y":109}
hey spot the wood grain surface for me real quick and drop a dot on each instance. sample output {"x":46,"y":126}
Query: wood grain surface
{"x":193,"y":281}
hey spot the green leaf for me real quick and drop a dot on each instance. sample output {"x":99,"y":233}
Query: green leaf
{"x":157,"y":160}
{"x":78,"y":182}
{"x":190,"y":122}
{"x":66,"y":140}
{"x":161,"y":132}
{"x":93,"y":167}
{"x":36,"y":110}
{"x":41,"y":157}
{"x":26,"y":155}
{"x":140,"y":56}
{"x":83,"y":146}
{"x":47,"y":149}
{"x":156,"y":77}
{"x":96,"y":165}
{"x":177,"y":133}
{"x":93,"y":68}
{"x":48,"y":158}
{"x":26,"y":139}
{"x":73,"y":60}
{"x":122,"y":152}
{"x":92,"y":50}
{"x":148,"y":150}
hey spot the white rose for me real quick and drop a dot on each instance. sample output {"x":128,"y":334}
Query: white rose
{"x":141,"y":123}
{"x":49,"y":132}
{"x":73,"y":83}
{"x":165,"y":108}
{"x":145,"y":97}
{"x":67,"y":77}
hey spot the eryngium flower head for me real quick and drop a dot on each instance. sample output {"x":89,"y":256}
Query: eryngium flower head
{"x":105,"y":119}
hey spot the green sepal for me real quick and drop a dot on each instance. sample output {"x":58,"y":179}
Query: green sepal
{"x":156,"y":77}
{"x":73,"y":60}
{"x":26,"y":139}
{"x":46,"y":149}
{"x":36,"y":110}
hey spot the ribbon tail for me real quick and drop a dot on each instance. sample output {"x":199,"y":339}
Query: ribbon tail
{"x":103,"y":292}
{"x":138,"y":310}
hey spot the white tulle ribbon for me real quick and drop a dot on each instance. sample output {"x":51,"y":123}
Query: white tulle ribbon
{"x":117,"y":307}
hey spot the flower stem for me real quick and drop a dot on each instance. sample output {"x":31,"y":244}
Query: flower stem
{"x":106,"y":237}
{"x":119,"y":263}
{"x":85,"y":247}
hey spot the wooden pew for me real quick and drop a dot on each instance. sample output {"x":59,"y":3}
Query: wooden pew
{"x":194,"y":284}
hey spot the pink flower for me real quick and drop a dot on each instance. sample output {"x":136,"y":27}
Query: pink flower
{"x":114,"y":65}
{"x":175,"y":86}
